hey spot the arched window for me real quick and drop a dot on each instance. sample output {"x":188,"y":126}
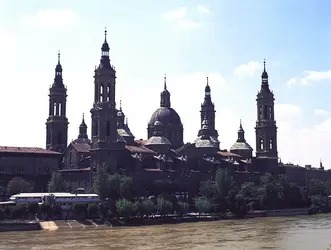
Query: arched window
{"x":266,"y":112}
{"x":59,"y":108}
{"x":260,"y":112}
{"x":108,"y":93}
{"x":270,"y":144}
{"x":261,"y":144}
{"x":54,"y":108}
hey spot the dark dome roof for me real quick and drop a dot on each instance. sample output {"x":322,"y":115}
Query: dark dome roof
{"x":166,"y":116}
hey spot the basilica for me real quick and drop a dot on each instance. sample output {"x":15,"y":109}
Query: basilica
{"x":162,"y":156}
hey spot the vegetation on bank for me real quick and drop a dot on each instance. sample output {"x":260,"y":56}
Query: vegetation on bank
{"x":218,"y":196}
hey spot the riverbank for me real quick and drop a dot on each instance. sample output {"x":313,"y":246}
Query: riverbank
{"x":26,"y":225}
{"x":19,"y":225}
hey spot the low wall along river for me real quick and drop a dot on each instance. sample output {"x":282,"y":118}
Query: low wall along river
{"x":281,"y":233}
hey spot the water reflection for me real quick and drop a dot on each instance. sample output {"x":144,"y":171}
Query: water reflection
{"x":303,"y":233}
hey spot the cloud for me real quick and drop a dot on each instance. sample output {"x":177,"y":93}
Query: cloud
{"x":180,"y":18}
{"x":249,"y":69}
{"x":287,"y":111}
{"x":292,"y":81}
{"x":6,"y":40}
{"x":203,"y":9}
{"x":187,"y":24}
{"x":51,"y":18}
{"x":315,"y":76}
{"x":176,"y":14}
{"x":321,"y":112}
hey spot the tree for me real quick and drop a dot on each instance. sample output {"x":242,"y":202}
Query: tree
{"x":183,"y":207}
{"x":19,"y":185}
{"x":145,"y":207}
{"x":164,"y":207}
{"x":56,"y":183}
{"x":224,"y":181}
{"x":203,"y":205}
{"x":101,"y":183}
{"x":124,"y":207}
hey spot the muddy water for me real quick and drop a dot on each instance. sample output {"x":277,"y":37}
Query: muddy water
{"x":290,"y":233}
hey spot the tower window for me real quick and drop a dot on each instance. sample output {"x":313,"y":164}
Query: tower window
{"x":54,"y":108}
{"x":108,"y":93}
{"x":266,"y":113}
{"x":270,"y":144}
{"x":101,"y":92}
{"x":270,"y":112}
{"x":108,"y":128}
{"x":260,"y":112}
{"x":261,"y":144}
{"x":60,"y":108}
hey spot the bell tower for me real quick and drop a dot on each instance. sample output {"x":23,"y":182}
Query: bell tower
{"x":104,"y":150}
{"x":208,"y":112}
{"x":57,"y":122}
{"x":266,"y":129}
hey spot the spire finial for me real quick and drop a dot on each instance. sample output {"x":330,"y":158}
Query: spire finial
{"x":105,"y":34}
{"x":264,"y":64}
{"x":207,"y":80}
{"x":240,"y":123}
{"x":83,"y":118}
{"x":58,"y":56}
{"x":121,"y":105}
{"x":165,"y":81}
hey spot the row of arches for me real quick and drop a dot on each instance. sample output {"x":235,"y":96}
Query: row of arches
{"x":57,"y":109}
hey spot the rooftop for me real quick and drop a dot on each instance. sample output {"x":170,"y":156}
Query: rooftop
{"x":29,"y":150}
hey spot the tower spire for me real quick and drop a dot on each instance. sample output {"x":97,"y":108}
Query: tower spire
{"x":58,"y":57}
{"x":165,"y":95}
{"x":241,"y":133}
{"x":120,"y":105}
{"x":165,"y":81}
{"x":105,"y":34}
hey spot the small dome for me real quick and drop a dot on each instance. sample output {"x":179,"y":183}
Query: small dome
{"x":166,"y":116}
{"x":105,"y":46}
{"x":120,"y":113}
{"x":264,"y":74}
{"x":241,"y":146}
{"x":207,"y":89}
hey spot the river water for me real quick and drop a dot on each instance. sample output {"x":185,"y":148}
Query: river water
{"x":288,"y":233}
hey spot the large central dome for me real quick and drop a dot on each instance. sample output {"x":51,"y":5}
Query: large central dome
{"x":173,"y":127}
{"x":167,"y":116}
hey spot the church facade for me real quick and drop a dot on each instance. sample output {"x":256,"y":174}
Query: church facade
{"x":162,"y":156}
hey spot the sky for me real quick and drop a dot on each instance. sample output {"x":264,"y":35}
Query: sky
{"x":187,"y":40}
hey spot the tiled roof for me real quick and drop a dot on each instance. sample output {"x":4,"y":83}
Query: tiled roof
{"x":141,"y":142}
{"x":142,"y":149}
{"x":31,"y":150}
{"x":81,"y":147}
{"x":227,"y":154}
{"x":75,"y":170}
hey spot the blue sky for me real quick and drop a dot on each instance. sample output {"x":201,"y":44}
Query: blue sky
{"x":226,"y":40}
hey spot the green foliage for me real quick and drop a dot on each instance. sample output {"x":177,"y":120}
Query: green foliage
{"x":249,"y":190}
{"x":164,"y":207}
{"x":145,"y":207}
{"x":124,"y":207}
{"x":203,"y":205}
{"x":224,"y":181}
{"x":183,"y":207}
{"x":56,"y":183}
{"x":112,"y":186}
{"x":19,"y":185}
{"x":208,"y":189}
